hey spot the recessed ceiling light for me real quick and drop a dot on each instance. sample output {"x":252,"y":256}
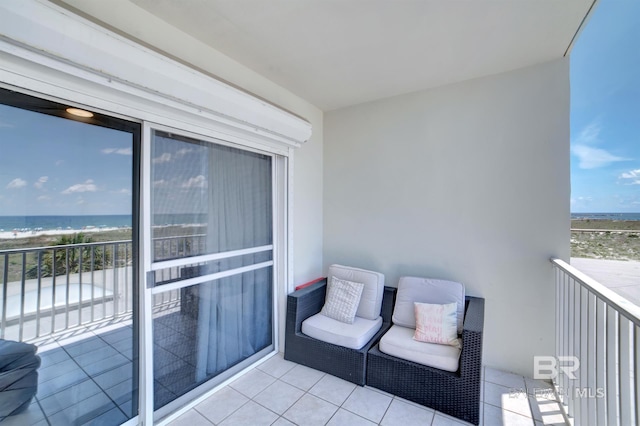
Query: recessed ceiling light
{"x":79,"y":112}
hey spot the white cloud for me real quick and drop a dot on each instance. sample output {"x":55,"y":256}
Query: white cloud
{"x":632,"y":177}
{"x":123,"y":191}
{"x":120,"y":151}
{"x":594,"y":158}
{"x":590,"y":134}
{"x":17,"y":183}
{"x":164,"y":158}
{"x":6,"y":125}
{"x":196,"y":182}
{"x":87,"y":186}
{"x":59,"y":163}
{"x":184,"y":151}
{"x":632,"y":174}
{"x":44,"y":198}
{"x":41,"y":181}
{"x":160,"y":183}
{"x":581,"y":200}
{"x":590,"y":157}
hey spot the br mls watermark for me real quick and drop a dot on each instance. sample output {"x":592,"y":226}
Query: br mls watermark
{"x":549,"y":368}
{"x":546,"y":367}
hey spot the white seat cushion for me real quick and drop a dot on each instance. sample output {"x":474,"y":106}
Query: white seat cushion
{"x":398,"y":342}
{"x":352,"y":336}
{"x":426,"y":290}
{"x":371,"y":298}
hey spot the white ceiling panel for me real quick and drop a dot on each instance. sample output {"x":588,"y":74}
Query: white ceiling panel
{"x":336,"y":53}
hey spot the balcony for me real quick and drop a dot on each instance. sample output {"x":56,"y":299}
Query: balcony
{"x":82,"y":325}
{"x":447,"y":172}
{"x":87,"y":379}
{"x":81,"y":321}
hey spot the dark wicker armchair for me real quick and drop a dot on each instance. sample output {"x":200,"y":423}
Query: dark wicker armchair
{"x":348,"y":364}
{"x":18,"y":376}
{"x":457,"y":393}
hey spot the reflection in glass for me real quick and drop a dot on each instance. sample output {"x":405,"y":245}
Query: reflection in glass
{"x":68,"y":258}
{"x":207,"y":198}
{"x":214,"y":326}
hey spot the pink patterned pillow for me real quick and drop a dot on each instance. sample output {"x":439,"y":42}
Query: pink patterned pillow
{"x":436,"y":324}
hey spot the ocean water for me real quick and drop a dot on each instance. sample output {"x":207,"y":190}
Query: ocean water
{"x":606,"y":216}
{"x":9,"y":223}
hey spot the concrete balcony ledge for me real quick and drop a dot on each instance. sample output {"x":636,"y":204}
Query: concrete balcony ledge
{"x":621,"y":276}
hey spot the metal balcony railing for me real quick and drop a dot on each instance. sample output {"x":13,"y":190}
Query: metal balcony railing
{"x":597,"y":350}
{"x":46,"y":290}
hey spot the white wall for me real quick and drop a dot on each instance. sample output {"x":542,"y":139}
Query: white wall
{"x":134,"y":21}
{"x":468,"y":182}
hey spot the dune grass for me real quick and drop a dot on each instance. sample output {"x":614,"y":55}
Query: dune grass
{"x":606,"y":243}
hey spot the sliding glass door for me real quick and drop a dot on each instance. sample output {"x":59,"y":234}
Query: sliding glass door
{"x":140,"y":270}
{"x":210,"y":259}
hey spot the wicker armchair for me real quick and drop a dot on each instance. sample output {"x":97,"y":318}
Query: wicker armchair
{"x":454,"y":393}
{"x":18,"y":376}
{"x":348,"y":364}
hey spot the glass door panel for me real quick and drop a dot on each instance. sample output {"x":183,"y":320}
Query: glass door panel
{"x":215,"y":326}
{"x":207,"y":198}
{"x":69,"y":258}
{"x":211,"y":253}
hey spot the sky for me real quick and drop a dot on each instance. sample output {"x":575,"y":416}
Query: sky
{"x":605,"y":111}
{"x":50,"y":166}
{"x":54,"y":166}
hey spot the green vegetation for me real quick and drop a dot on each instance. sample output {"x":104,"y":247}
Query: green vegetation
{"x":70,"y":260}
{"x":606,"y":224}
{"x":606,"y":243}
{"x":102,"y":256}
{"x":49,"y":240}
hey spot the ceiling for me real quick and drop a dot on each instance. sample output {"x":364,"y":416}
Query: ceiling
{"x":336,"y":53}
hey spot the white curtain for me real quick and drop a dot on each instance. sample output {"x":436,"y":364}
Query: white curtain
{"x":235,"y":313}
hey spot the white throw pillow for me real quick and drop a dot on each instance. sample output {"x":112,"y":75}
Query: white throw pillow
{"x":426,"y":290}
{"x":436,"y":324}
{"x":373,"y":292}
{"x":342,"y":300}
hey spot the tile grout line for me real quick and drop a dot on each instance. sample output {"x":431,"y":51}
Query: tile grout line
{"x":90,"y":377}
{"x":46,"y":418}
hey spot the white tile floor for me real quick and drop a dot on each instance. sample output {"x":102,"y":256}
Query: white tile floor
{"x":279,"y":392}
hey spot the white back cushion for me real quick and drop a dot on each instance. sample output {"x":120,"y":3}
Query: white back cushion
{"x":371,"y":299}
{"x":426,"y":290}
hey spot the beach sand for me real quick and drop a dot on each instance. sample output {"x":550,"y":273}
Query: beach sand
{"x":13,"y":235}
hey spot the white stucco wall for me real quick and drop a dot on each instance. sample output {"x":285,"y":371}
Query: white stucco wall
{"x":468,"y":182}
{"x":130,"y":19}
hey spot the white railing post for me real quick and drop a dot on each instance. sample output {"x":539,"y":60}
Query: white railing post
{"x":636,"y":371}
{"x":624,"y":368}
{"x":601,"y":360}
{"x":612,"y":368}
{"x":591,"y":349}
